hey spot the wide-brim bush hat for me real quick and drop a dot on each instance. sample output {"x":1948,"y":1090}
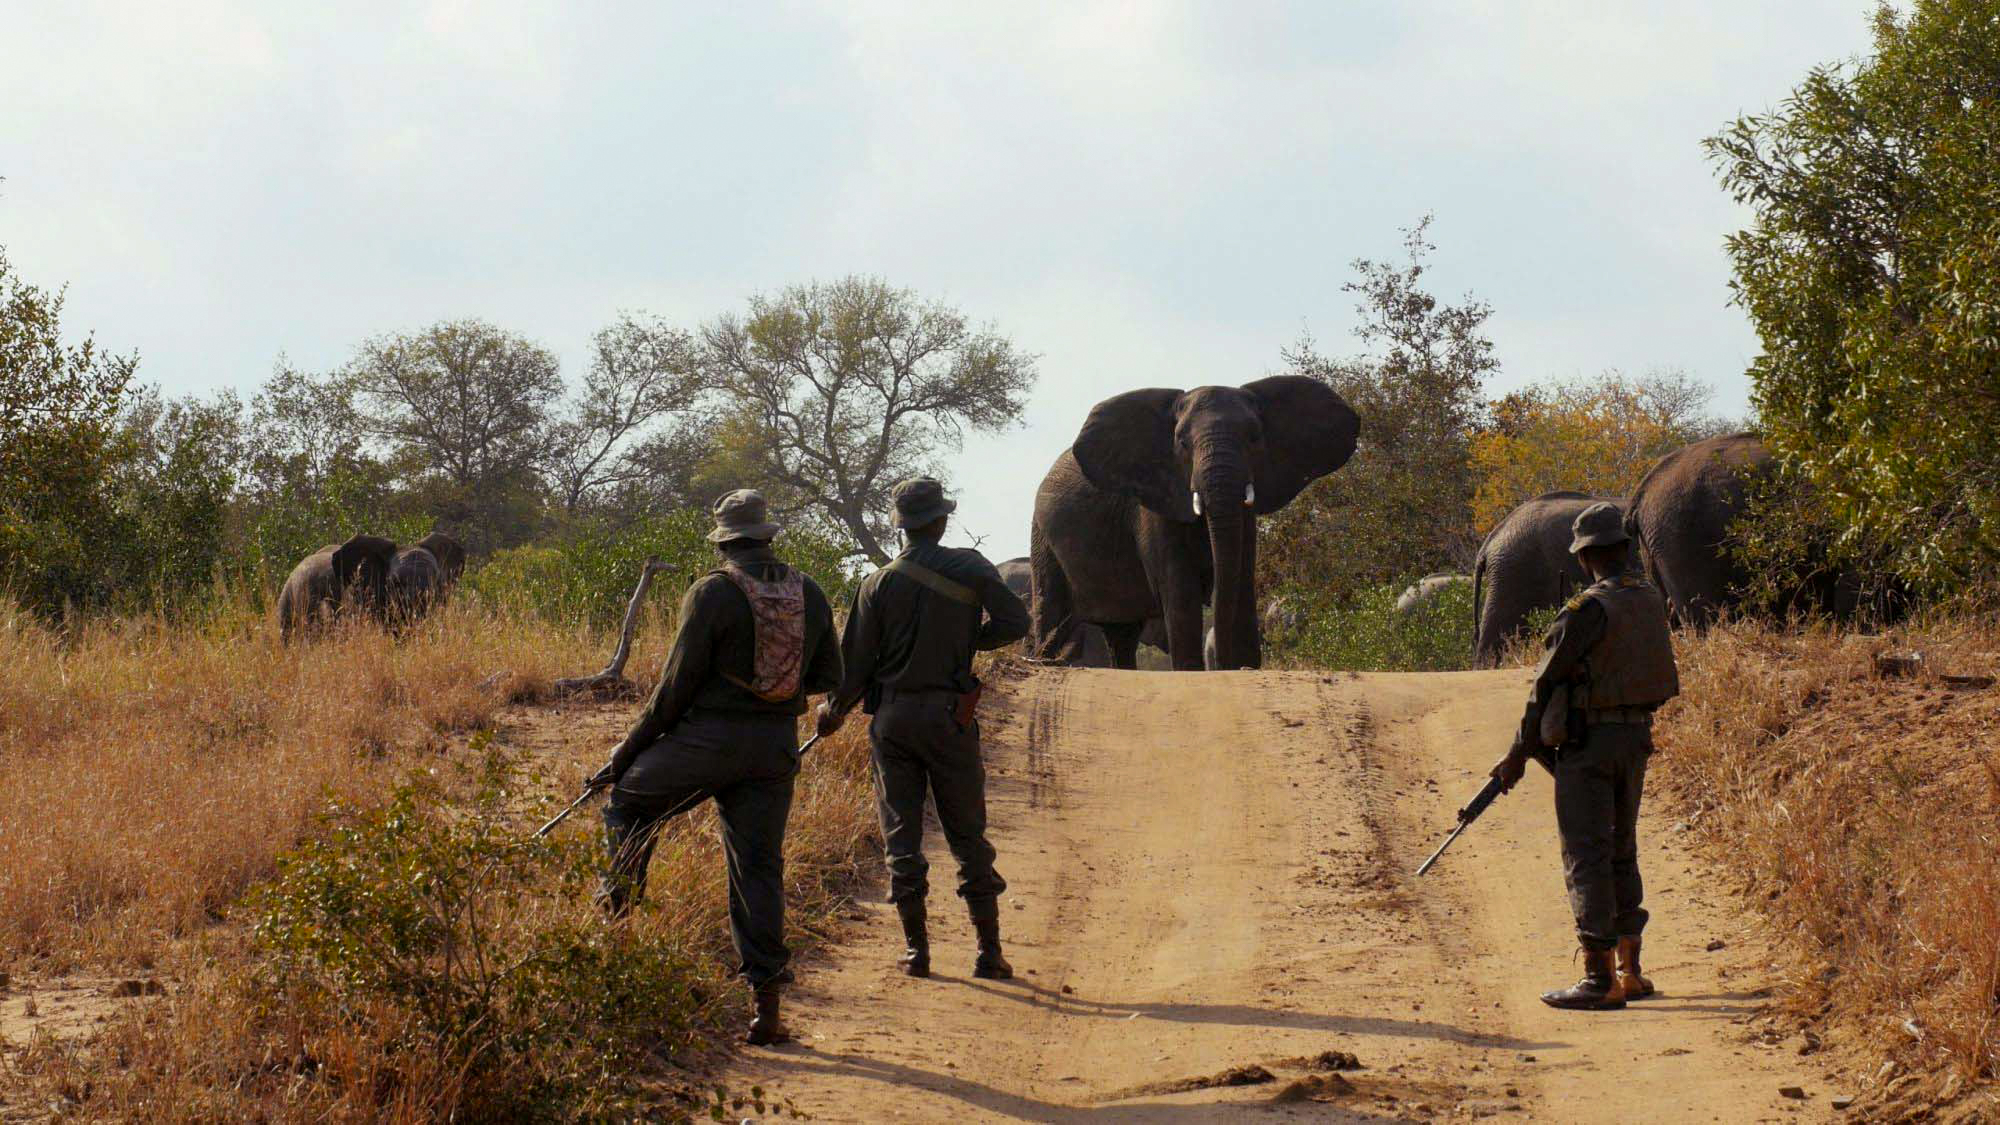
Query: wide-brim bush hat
{"x":921,"y":501}
{"x":742,"y":514}
{"x":1600,"y":525}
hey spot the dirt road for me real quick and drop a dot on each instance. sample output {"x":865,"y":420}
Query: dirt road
{"x":1212,"y":871}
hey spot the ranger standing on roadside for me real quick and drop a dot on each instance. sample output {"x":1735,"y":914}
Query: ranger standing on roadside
{"x":756,"y":637}
{"x":911,"y":633}
{"x":1609,"y":664}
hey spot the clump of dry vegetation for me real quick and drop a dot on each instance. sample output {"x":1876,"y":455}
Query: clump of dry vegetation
{"x":238,"y":820}
{"x":1862,"y":810}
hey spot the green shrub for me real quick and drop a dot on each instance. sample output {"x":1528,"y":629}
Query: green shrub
{"x":480,"y":948}
{"x":1367,"y":635}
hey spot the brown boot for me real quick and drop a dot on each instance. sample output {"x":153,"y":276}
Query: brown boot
{"x":1597,"y":991}
{"x":990,"y":965}
{"x":916,"y":958}
{"x":767,"y":1028}
{"x":1630,"y":979}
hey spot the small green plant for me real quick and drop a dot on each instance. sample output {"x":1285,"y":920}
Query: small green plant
{"x":443,"y":919}
{"x":1366,"y":634}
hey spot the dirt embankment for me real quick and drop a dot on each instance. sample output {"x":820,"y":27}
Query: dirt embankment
{"x":1212,"y":908}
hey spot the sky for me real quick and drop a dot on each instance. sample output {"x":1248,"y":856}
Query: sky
{"x":1140,"y":194}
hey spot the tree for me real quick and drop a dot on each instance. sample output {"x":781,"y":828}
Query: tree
{"x":1401,"y":507}
{"x":641,"y":372}
{"x":1871,"y":271}
{"x":178,"y":484}
{"x":59,"y":447}
{"x":1595,"y":436}
{"x":469,"y":407}
{"x":836,"y":391}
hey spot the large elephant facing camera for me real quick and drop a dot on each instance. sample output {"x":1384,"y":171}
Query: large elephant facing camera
{"x":337,"y":578}
{"x":1152,"y":513}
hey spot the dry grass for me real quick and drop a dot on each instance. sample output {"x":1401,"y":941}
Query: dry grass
{"x":150,"y":776}
{"x":1863,"y":814}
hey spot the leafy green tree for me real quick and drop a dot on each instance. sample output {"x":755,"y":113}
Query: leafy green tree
{"x":1872,"y":273}
{"x":833,"y":392}
{"x":178,"y":485}
{"x":59,"y":448}
{"x":1402,"y":506}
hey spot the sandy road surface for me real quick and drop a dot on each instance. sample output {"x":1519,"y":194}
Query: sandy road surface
{"x":1213,"y":870}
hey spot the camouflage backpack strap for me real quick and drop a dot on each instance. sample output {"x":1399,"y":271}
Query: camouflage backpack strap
{"x":935,"y":582}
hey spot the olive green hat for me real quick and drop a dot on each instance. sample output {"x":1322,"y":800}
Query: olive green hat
{"x":921,"y":501}
{"x":742,"y":514}
{"x":1600,"y":525}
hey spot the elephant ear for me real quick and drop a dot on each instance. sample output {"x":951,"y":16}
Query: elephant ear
{"x":1127,"y":446}
{"x":1309,"y":431}
{"x":360,"y":550}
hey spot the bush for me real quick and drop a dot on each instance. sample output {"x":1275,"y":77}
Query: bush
{"x":1368,"y":635}
{"x":481,"y":946}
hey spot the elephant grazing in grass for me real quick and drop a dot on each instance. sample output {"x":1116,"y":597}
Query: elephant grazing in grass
{"x":1152,"y":512}
{"x":1524,"y":565}
{"x":350,"y":576}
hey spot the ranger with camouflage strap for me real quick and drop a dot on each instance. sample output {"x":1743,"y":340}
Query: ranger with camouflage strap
{"x":1609,"y":664}
{"x":908,"y":647}
{"x":756,"y":637}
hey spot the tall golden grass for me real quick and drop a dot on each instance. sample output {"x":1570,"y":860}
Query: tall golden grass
{"x":152,"y":773}
{"x":1863,"y":814}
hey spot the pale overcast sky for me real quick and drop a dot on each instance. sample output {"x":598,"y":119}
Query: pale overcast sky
{"x":1144,"y":194}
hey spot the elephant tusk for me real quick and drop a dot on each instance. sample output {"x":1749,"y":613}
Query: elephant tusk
{"x":1197,"y":503}
{"x":1250,"y":494}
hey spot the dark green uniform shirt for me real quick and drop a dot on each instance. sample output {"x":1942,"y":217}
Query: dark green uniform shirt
{"x":718,"y":635}
{"x":902,"y":634}
{"x":1575,"y":631}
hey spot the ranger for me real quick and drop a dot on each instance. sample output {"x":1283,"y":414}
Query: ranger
{"x":756,"y":637}
{"x":1609,"y":665}
{"x":908,"y":647}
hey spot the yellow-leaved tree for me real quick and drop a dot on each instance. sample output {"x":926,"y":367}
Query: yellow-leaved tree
{"x":1589,"y":435}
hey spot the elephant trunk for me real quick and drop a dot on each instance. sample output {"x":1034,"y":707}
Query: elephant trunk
{"x":1232,"y":541}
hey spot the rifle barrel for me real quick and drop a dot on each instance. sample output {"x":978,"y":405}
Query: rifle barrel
{"x":1441,"y":847}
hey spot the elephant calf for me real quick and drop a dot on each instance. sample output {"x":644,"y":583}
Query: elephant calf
{"x":423,"y":575}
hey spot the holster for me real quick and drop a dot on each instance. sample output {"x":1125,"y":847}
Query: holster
{"x":967,"y":707}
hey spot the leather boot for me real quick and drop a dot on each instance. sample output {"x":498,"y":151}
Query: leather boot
{"x":916,"y":958}
{"x":767,"y":1028}
{"x":1634,"y":982}
{"x":990,"y":965}
{"x":1597,"y":991}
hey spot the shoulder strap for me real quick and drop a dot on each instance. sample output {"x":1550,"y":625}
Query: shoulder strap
{"x":937,"y":583}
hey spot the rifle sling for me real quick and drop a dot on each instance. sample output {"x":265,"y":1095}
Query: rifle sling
{"x":937,"y":583}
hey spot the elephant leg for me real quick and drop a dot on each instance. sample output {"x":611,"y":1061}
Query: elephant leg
{"x":1124,"y":645}
{"x":1054,"y":631}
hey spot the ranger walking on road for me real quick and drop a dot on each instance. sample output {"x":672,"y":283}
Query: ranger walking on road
{"x":908,"y":647}
{"x":1609,"y":665}
{"x":756,"y":637}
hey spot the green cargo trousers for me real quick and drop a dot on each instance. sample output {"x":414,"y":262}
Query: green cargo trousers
{"x":1598,"y":785}
{"x":747,"y":764}
{"x":919,"y":747}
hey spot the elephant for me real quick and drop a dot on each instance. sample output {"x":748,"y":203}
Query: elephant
{"x":423,"y":575}
{"x":1524,"y":565}
{"x":1681,"y":512}
{"x":1151,"y":512}
{"x":1426,"y":588}
{"x":333,"y":579}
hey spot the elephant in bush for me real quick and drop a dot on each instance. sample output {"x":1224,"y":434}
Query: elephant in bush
{"x":1681,"y":513}
{"x":1524,"y":565}
{"x":1152,"y":512}
{"x":423,"y":575}
{"x":348,"y":576}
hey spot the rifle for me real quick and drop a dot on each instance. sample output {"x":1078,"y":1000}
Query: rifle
{"x":591,"y":791}
{"x":1466,"y":816}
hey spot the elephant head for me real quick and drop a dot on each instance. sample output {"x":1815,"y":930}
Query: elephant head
{"x":361,"y":572}
{"x":1220,"y":456}
{"x":448,"y":552}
